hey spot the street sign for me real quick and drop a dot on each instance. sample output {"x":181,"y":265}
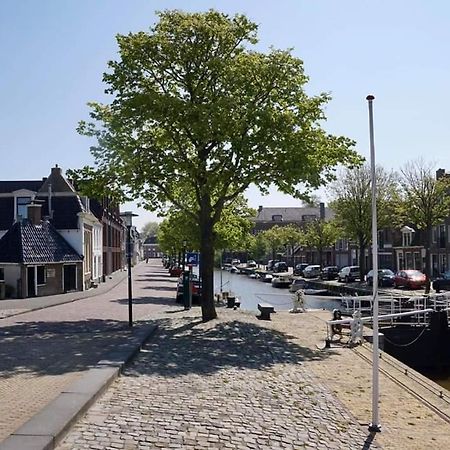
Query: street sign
{"x":192,"y":258}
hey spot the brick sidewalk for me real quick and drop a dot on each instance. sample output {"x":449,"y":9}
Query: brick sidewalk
{"x":230,"y":383}
{"x":43,"y":351}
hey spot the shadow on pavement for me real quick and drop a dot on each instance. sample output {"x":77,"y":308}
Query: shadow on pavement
{"x":54,"y":348}
{"x":169,"y":301}
{"x":195,"y":348}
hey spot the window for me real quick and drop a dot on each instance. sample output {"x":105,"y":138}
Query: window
{"x":277,"y":218}
{"x":2,"y":274}
{"x":21,"y":207}
{"x":40,"y":275}
{"x":407,"y":238}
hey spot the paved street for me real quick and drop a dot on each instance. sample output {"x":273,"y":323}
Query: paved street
{"x":229,"y":383}
{"x":43,"y":351}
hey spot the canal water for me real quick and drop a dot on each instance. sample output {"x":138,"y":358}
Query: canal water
{"x":253,"y":291}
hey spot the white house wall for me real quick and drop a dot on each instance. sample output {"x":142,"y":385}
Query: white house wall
{"x":74,"y":238}
{"x":97,"y":251}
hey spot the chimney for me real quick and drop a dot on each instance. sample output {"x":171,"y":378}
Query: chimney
{"x":322,"y":210}
{"x":56,"y":170}
{"x":34,"y":213}
{"x":260,"y":208}
{"x":50,"y":210}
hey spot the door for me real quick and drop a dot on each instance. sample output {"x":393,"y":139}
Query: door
{"x":31,"y":282}
{"x":70,"y":278}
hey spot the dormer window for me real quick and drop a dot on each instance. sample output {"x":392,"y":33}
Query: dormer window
{"x":407,"y":236}
{"x":22,"y":198}
{"x":21,"y":207}
{"x":277,"y":218}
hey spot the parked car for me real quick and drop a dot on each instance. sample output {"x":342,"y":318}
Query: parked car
{"x":280,"y":267}
{"x":329,"y":273}
{"x":348,"y":274}
{"x":251,"y":263}
{"x":312,"y":271}
{"x":271,"y":263}
{"x":442,"y":283}
{"x":175,"y":271}
{"x":235,"y":262}
{"x":412,"y":279}
{"x":299,"y":268}
{"x":196,"y":289}
{"x":385,"y":277}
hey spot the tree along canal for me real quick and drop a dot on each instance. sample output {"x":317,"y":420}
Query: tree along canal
{"x":253,"y":291}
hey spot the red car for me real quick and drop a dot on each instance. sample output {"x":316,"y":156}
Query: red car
{"x":175,"y":271}
{"x":412,"y":279}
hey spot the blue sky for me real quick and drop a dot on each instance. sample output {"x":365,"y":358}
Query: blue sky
{"x":54,"y":52}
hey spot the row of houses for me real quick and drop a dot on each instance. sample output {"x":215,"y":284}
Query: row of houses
{"x":53,"y":240}
{"x":398,"y":249}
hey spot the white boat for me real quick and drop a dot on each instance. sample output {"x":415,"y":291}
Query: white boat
{"x":281,"y":280}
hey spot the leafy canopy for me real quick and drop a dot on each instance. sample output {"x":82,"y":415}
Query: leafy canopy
{"x":352,"y":202}
{"x":197,"y":109}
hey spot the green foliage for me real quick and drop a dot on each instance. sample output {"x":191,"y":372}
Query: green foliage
{"x":275,"y":239}
{"x":426,"y":200}
{"x":257,"y":247}
{"x":352,"y":202}
{"x":320,"y":235}
{"x":149,"y":229}
{"x":231,"y":232}
{"x":196,"y":109}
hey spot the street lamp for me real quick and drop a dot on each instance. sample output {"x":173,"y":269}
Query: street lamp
{"x":128,"y":219}
{"x":375,"y":424}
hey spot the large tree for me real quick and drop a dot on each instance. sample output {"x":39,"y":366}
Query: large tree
{"x":197,"y":109}
{"x":352,"y":204}
{"x":321,"y":234}
{"x":426,"y":200}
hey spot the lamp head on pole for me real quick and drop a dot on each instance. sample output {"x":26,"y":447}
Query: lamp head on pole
{"x":127,"y":217}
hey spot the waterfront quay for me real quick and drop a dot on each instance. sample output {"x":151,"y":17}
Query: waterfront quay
{"x":240,"y":383}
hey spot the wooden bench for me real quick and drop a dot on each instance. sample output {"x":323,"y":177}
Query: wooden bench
{"x":266,"y":309}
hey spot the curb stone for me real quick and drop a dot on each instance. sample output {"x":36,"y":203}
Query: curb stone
{"x":49,"y":426}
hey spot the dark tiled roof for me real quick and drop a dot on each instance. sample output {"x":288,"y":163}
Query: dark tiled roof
{"x":65,"y":210}
{"x":28,"y":243}
{"x":6,"y":212}
{"x":11,"y":186}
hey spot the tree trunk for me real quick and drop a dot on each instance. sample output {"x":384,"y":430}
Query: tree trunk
{"x":207,"y":265}
{"x":362,"y":260}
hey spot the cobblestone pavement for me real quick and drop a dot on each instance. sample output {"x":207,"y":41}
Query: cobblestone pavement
{"x":230,"y":383}
{"x":43,"y":351}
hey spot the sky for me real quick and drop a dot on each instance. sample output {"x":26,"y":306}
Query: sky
{"x":53,"y":54}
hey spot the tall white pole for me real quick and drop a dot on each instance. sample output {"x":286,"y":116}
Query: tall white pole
{"x":375,"y":424}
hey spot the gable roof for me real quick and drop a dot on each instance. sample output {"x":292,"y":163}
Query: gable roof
{"x":7,"y":187}
{"x":26,"y":243}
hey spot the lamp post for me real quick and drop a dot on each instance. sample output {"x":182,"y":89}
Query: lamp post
{"x":183,"y":265}
{"x":375,"y":424}
{"x":128,"y":219}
